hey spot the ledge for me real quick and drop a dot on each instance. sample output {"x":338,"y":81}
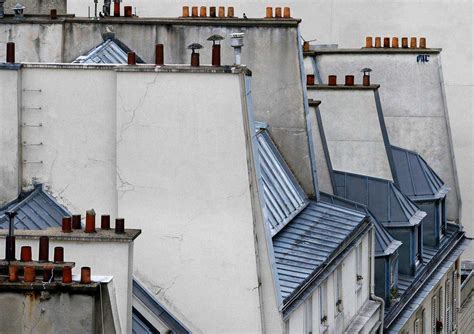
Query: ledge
{"x":193,"y":21}
{"x":76,"y":235}
{"x":39,"y":286}
{"x":38,"y":265}
{"x":11,"y":67}
{"x":342,"y":87}
{"x":313,"y":53}
{"x":314,"y":103}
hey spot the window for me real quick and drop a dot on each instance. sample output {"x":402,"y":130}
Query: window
{"x":416,"y":330}
{"x":308,"y":316}
{"x":323,"y":303}
{"x":338,"y":290}
{"x":434,"y":313}
{"x":454,"y":306}
{"x":359,"y":261}
{"x":448,"y":306}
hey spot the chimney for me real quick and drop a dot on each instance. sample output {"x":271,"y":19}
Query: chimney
{"x":306,"y":47}
{"x":58,"y":254}
{"x":48,"y":273}
{"x":10,"y":52}
{"x":76,"y":222}
{"x":310,"y":80}
{"x":194,"y":55}
{"x":395,"y":42}
{"x":366,"y":77}
{"x":12,"y":273}
{"x":332,"y":80}
{"x":185,"y":11}
{"x":66,"y":224}
{"x":422,"y":43}
{"x":221,"y":11}
{"x":269,"y":12}
{"x":413,"y":43}
{"x":120,"y":225}
{"x":116,"y":8}
{"x":278,"y":13}
{"x":286,"y":13}
{"x":105,"y":222}
{"x":127,"y":11}
{"x":386,"y":42}
{"x":369,"y":42}
{"x":194,"y":11}
{"x":237,"y":42}
{"x":349,"y":80}
{"x":203,"y":11}
{"x":25,"y":255}
{"x":67,"y":274}
{"x":216,"y":49}
{"x":230,"y":12}
{"x":29,"y":274}
{"x":43,"y":249}
{"x":85,"y":275}
{"x":90,"y":214}
{"x":212,"y":11}
{"x":10,"y":239}
{"x":18,"y":11}
{"x":378,"y":42}
{"x":53,"y":14}
{"x":405,"y":42}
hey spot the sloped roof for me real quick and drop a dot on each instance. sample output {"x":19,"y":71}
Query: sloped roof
{"x":111,"y":51}
{"x":309,"y":240}
{"x":384,"y":200}
{"x":283,"y":196}
{"x":416,"y":178}
{"x":36,"y":210}
{"x":385,"y":244}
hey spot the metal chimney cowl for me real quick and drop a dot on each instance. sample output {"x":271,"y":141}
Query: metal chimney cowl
{"x":18,"y":10}
{"x":237,"y":41}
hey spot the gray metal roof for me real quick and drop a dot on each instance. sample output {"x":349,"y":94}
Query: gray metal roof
{"x":415,"y":177}
{"x":427,"y":287}
{"x":140,"y":325}
{"x":111,"y":51}
{"x":309,"y":240}
{"x":283,"y":196}
{"x":36,"y":210}
{"x":147,"y":299}
{"x":385,"y":244}
{"x":384,"y":200}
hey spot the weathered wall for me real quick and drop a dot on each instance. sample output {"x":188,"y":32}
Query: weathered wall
{"x":413,"y":104}
{"x":270,"y":51}
{"x":73,"y":151}
{"x":62,"y":313}
{"x":337,"y":323}
{"x":38,"y":6}
{"x":185,"y":160}
{"x":104,"y":257}
{"x":10,"y":161}
{"x":352,"y":130}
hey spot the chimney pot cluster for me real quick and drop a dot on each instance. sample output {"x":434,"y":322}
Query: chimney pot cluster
{"x":395,"y":44}
{"x":202,"y":12}
{"x":349,"y":79}
{"x":75,"y":221}
{"x":278,"y":13}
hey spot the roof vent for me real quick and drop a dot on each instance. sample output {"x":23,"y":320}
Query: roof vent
{"x":108,"y":33}
{"x":237,"y":41}
{"x":18,"y":10}
{"x":2,"y":10}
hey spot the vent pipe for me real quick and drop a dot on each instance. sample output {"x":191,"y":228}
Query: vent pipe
{"x":10,"y":52}
{"x":18,"y":10}
{"x":237,"y":42}
{"x":10,"y":239}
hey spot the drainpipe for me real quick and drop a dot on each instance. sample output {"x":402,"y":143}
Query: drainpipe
{"x":372,"y":282}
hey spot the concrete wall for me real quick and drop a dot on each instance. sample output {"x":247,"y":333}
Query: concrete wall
{"x":29,"y":312}
{"x":270,"y":51}
{"x":337,"y":323}
{"x":10,"y":153}
{"x":105,"y":257}
{"x":352,"y":130}
{"x":37,"y":6}
{"x":76,"y":158}
{"x":413,"y":104}
{"x":183,"y":177}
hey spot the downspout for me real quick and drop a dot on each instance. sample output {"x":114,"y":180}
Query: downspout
{"x":372,"y":282}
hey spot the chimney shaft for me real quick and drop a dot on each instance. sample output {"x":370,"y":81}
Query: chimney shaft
{"x":194,"y":11}
{"x":43,"y":249}
{"x":366,"y":80}
{"x":195,"y":59}
{"x":413,"y":43}
{"x":10,"y":248}
{"x":10,"y":52}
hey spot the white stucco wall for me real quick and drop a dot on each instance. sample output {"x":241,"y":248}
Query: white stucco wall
{"x":352,"y":131}
{"x":77,"y":135}
{"x":10,"y":161}
{"x":349,"y":284}
{"x":105,"y":258}
{"x":447,"y":24}
{"x":183,"y":177}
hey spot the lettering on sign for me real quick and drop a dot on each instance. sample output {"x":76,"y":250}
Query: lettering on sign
{"x":422,"y":58}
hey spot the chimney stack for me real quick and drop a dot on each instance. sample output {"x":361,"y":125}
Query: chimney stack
{"x":369,"y":42}
{"x":25,"y":255}
{"x":85,"y":275}
{"x":10,"y":52}
{"x":105,"y":222}
{"x":67,"y":224}
{"x":185,"y":11}
{"x":90,"y":214}
{"x":76,"y":222}
{"x":332,"y":80}
{"x":43,"y":249}
{"x":237,"y":42}
{"x":120,"y":225}
{"x":349,"y":80}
